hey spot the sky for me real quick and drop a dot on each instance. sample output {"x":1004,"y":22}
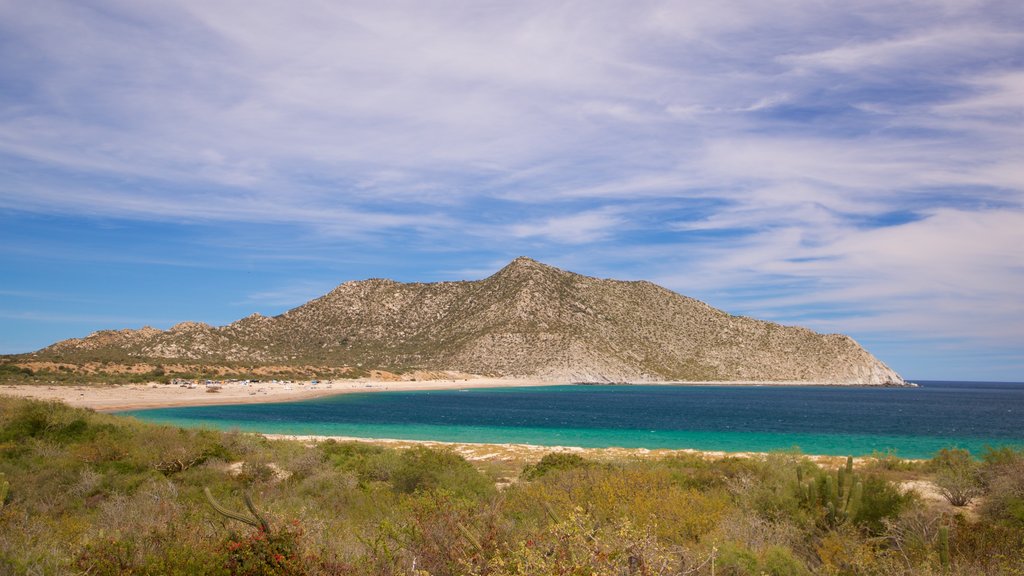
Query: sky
{"x":853,"y":167}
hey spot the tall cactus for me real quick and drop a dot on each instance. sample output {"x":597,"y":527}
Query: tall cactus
{"x":257,"y":521}
{"x":854,"y":502}
{"x":944,"y":547}
{"x":841,"y":482}
{"x":843,"y":494}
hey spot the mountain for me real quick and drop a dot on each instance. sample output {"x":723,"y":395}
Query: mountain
{"x":528,"y":319}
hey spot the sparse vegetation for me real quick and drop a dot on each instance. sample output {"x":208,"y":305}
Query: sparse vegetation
{"x":88,"y":493}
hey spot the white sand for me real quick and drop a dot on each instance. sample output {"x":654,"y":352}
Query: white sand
{"x":136,"y":396}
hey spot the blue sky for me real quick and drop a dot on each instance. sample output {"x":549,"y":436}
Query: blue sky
{"x":853,"y":167}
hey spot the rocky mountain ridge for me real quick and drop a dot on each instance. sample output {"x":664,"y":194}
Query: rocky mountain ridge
{"x":527,"y":320}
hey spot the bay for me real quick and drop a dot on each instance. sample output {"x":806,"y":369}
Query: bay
{"x":907,"y":422}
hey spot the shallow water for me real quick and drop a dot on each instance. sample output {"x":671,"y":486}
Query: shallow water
{"x":910,"y":422}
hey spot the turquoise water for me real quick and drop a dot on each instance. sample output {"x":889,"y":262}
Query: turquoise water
{"x":910,"y":422}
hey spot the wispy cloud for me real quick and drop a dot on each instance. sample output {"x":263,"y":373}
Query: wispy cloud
{"x":291,"y":294}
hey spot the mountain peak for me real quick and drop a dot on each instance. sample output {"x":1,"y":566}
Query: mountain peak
{"x":526,"y":265}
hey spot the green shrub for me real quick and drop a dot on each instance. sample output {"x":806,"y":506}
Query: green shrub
{"x":734,"y":559}
{"x":12,"y":373}
{"x":422,"y":468}
{"x":1002,"y":474}
{"x":554,"y":461}
{"x":881,"y":500}
{"x":779,"y":561}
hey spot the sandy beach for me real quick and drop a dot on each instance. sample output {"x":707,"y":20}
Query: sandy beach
{"x":153,"y":395}
{"x":112,"y":398}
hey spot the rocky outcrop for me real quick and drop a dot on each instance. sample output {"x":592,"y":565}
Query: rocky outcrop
{"x":528,"y":319}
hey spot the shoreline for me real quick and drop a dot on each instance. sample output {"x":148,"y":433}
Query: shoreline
{"x":515,"y":450}
{"x":125,"y":397}
{"x":122,"y":397}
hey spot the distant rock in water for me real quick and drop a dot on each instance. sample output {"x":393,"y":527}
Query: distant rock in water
{"x":528,"y":319}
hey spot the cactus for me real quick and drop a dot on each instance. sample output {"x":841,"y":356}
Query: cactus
{"x":944,"y":546}
{"x":551,"y":511}
{"x":256,"y":521}
{"x":830,"y":490}
{"x":843,"y":494}
{"x":470,"y":537}
{"x":856,"y":497}
{"x":5,"y":486}
{"x":831,"y":514}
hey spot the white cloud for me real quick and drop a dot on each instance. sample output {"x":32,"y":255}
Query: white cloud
{"x":582,"y":228}
{"x":914,"y":49}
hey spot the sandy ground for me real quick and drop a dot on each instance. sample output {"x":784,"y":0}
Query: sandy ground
{"x":136,"y":396}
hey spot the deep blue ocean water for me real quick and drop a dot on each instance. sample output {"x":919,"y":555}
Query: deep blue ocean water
{"x":910,"y":422}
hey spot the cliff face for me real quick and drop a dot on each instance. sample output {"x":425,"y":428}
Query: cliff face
{"x":528,"y":319}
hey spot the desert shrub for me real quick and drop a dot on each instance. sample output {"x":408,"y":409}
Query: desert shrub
{"x":44,"y":420}
{"x":957,"y":476}
{"x":302,"y":462}
{"x":881,"y":500}
{"x":996,"y":457}
{"x":779,"y":561}
{"x":889,"y":461}
{"x":422,"y":468}
{"x":369,"y":462}
{"x":554,"y":461}
{"x":107,"y":444}
{"x":637,"y":492}
{"x":1002,"y":475}
{"x":238,"y":445}
{"x":263,"y":554}
{"x":10,"y":371}
{"x":756,"y":533}
{"x":844,"y":551}
{"x":580,"y":544}
{"x":108,"y":557}
{"x":734,"y":559}
{"x":772,"y":488}
{"x":255,"y":471}
{"x":987,"y":547}
{"x":183,"y":559}
{"x":913,"y":536}
{"x":443,"y":534}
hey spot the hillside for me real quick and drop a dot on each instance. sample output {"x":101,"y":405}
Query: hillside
{"x":528,"y":319}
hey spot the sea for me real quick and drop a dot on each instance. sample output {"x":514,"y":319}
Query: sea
{"x":859,"y":421}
